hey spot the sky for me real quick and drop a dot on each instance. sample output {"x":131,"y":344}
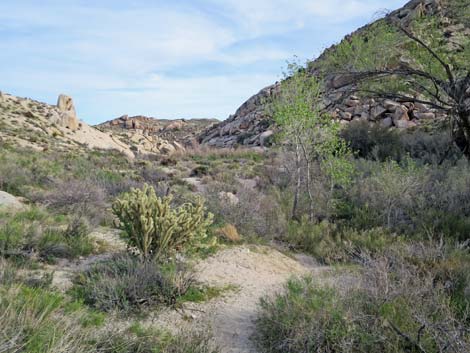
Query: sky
{"x":166,"y":59}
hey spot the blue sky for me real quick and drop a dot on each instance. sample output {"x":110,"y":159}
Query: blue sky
{"x":167,"y":59}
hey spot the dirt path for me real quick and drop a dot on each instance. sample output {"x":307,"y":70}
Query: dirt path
{"x":256,"y":272}
{"x":250,"y":271}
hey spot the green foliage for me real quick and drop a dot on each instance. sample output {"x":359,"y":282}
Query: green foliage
{"x":310,"y":135}
{"x":36,"y":230}
{"x":372,"y":141}
{"x":137,"y":339}
{"x":331,"y":244}
{"x":156,"y":228}
{"x":365,"y":50}
{"x":33,"y":322}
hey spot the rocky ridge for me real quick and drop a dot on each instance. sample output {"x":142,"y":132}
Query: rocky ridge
{"x":156,"y":135}
{"x":252,"y":126}
{"x":28,"y":123}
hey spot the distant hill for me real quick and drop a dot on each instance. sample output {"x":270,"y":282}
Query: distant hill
{"x":178,"y":133}
{"x":28,"y":123}
{"x":250,"y":124}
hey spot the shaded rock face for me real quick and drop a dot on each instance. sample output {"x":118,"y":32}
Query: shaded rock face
{"x":247,"y":127}
{"x":67,"y":114}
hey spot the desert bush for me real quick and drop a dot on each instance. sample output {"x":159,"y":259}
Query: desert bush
{"x":408,"y":198}
{"x":253,"y":212}
{"x":373,"y":141}
{"x":430,"y":148}
{"x":34,"y":231}
{"x":56,"y":243}
{"x":81,"y":198}
{"x":331,"y":244}
{"x":40,"y":321}
{"x":126,"y":283}
{"x":397,"y":305}
{"x":156,"y":228}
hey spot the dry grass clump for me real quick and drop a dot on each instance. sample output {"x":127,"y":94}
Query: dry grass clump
{"x":218,"y":153}
{"x":229,"y":233}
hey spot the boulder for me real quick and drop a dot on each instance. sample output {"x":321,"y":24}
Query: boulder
{"x":391,"y":105}
{"x":10,"y":202}
{"x":346,"y":116}
{"x":387,"y":122}
{"x":377,"y":112}
{"x":229,"y":197}
{"x":177,"y":125}
{"x":425,"y":116}
{"x":401,"y":113}
{"x":68,"y":115}
{"x":265,"y":136}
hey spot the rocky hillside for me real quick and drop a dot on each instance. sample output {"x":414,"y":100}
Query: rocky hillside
{"x":251,"y":126}
{"x":29,"y":123}
{"x":156,"y":135}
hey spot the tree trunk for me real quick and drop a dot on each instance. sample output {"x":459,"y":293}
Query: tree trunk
{"x":298,"y":183}
{"x":461,"y":133}
{"x":309,"y":189}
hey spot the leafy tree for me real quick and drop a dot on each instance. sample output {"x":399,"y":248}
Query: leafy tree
{"x":415,"y":64}
{"x":311,"y":135}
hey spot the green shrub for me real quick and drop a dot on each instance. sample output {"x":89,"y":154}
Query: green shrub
{"x":372,"y":141}
{"x":156,"y":228}
{"x":11,"y":238}
{"x":33,"y":322}
{"x":127,"y":284}
{"x":397,"y":303}
{"x":56,"y":243}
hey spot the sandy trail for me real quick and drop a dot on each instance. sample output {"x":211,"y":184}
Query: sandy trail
{"x":256,"y":271}
{"x":252,"y":271}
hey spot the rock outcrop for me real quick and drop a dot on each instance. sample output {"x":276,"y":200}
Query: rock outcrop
{"x":68,"y":115}
{"x":153,"y":135}
{"x":249,"y":125}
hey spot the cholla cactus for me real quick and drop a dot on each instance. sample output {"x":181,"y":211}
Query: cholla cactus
{"x":154,"y":227}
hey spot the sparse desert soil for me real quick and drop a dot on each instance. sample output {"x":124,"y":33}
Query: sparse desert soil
{"x":255,"y":271}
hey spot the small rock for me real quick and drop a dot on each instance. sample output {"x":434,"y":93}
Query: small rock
{"x":10,"y":202}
